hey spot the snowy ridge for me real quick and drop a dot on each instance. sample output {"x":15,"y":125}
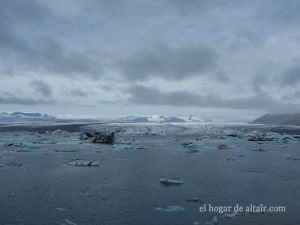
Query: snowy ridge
{"x":151,"y":119}
{"x":24,"y":117}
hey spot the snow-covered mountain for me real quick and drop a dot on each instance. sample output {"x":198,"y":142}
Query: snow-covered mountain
{"x":279,"y":119}
{"x":160,"y":119}
{"x":23,"y":117}
{"x":197,"y":118}
{"x":151,"y":119}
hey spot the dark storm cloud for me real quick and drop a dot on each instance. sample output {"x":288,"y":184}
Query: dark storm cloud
{"x":41,"y":87}
{"x":169,"y":63}
{"x":152,"y":96}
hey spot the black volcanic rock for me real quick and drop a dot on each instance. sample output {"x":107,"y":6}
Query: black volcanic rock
{"x":279,"y":119}
{"x":98,"y":137}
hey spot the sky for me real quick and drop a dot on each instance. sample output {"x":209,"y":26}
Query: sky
{"x":221,"y":59}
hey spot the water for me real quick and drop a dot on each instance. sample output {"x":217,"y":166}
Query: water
{"x":126,"y":188}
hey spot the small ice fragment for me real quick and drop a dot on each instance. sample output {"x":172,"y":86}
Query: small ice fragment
{"x":191,"y":150}
{"x":167,"y":181}
{"x":232,"y":159}
{"x":213,"y":221}
{"x":289,"y":157}
{"x":194,"y":200}
{"x":32,"y":146}
{"x":261,"y":136}
{"x":61,"y":209}
{"x":224,"y":146}
{"x":231,"y":215}
{"x":57,"y":132}
{"x":69,"y":222}
{"x":141,"y":147}
{"x":14,"y":164}
{"x":170,"y":209}
{"x":258,"y":150}
{"x":84,"y":194}
{"x":187,"y":143}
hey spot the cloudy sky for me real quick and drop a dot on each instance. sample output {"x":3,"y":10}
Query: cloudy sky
{"x":217,"y":58}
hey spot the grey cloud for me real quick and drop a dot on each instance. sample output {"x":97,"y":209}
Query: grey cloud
{"x":291,"y":76}
{"x":297,"y":94}
{"x":18,"y":10}
{"x":38,"y":53}
{"x":41,"y":87}
{"x":24,"y":101}
{"x":77,"y":93}
{"x":190,"y":6}
{"x":113,"y":41}
{"x":152,"y":96}
{"x":281,"y":12}
{"x":169,"y":63}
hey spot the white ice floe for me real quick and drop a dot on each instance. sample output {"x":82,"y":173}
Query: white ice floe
{"x":167,"y":181}
{"x":231,"y":215}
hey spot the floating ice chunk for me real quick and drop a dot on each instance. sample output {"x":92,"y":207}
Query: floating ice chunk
{"x":167,"y":181}
{"x":213,"y":221}
{"x":56,"y":132}
{"x":261,"y":136}
{"x":32,"y":146}
{"x":14,"y":144}
{"x":240,"y":156}
{"x":14,"y":164}
{"x":185,"y":144}
{"x":61,"y":209}
{"x":290,"y":157}
{"x":195,"y":200}
{"x":287,"y":139}
{"x":141,"y":147}
{"x":191,"y":147}
{"x":225,"y":146}
{"x":232,"y":159}
{"x":83,"y":163}
{"x":84,"y":194}
{"x":170,"y":209}
{"x":191,"y":150}
{"x":258,"y":150}
{"x":124,"y":146}
{"x":69,"y":222}
{"x":231,"y":215}
{"x":65,"y":150}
